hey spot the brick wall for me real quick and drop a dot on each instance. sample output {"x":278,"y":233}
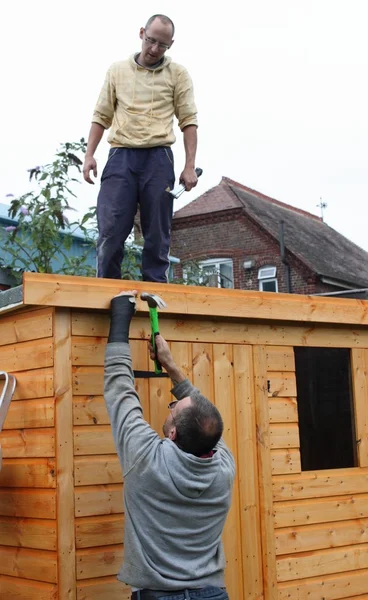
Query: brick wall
{"x":230,"y":234}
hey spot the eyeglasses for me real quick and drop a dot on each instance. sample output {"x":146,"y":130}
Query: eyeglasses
{"x":153,"y":42}
{"x":172,"y":404}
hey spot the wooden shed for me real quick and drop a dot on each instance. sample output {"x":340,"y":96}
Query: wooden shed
{"x":289,"y":375}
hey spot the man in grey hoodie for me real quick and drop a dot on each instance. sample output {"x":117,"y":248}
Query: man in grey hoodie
{"x":177,"y":490}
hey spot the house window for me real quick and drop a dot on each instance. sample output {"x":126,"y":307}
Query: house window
{"x":211,"y":273}
{"x":267,"y":279}
{"x":217,"y":272}
{"x":325,"y":408}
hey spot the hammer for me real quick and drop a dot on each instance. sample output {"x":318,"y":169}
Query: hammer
{"x":154,"y":302}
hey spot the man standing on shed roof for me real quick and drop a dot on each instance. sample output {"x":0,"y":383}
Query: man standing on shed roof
{"x":138,"y":102}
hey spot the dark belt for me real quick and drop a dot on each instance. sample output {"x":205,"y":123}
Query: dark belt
{"x":153,"y":594}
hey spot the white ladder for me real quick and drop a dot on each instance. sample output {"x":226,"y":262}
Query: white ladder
{"x":5,"y":399}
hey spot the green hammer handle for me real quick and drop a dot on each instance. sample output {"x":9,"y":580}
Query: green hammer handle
{"x":155,"y":331}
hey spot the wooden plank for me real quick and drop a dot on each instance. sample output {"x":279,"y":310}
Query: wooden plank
{"x":265,"y":473}
{"x":88,"y":381}
{"x":141,"y":362}
{"x":88,"y":351}
{"x":203,"y":369}
{"x":12,"y":588}
{"x":322,"y":536}
{"x":28,"y":564}
{"x":359,"y":364}
{"x":64,"y":456}
{"x":223,"y":374}
{"x":281,"y":384}
{"x":37,"y":383}
{"x":28,"y":503}
{"x":28,"y":442}
{"x":182,"y":353}
{"x":283,"y":410}
{"x":314,"y":484}
{"x":320,"y":510}
{"x":280,"y":358}
{"x":22,"y":327}
{"x":98,"y":500}
{"x":28,"y":472}
{"x":284,"y":435}
{"x":105,"y":530}
{"x":28,"y":533}
{"x":94,"y":470}
{"x":329,"y":587}
{"x":99,"y":562}
{"x":159,"y":397}
{"x":323,"y":562}
{"x":210,"y":330}
{"x":100,"y":589}
{"x":90,"y":410}
{"x":93,"y":439}
{"x":28,"y":414}
{"x":86,"y":292}
{"x":90,"y":323}
{"x":250,"y":525}
{"x":285,"y":461}
{"x":23,"y":356}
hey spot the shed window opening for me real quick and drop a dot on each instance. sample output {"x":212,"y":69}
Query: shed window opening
{"x":325,"y":408}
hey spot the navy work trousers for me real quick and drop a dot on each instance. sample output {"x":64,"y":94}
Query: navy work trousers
{"x":135,"y":176}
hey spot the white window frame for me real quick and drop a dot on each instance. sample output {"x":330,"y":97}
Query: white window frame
{"x":216,"y":264}
{"x":267,"y":274}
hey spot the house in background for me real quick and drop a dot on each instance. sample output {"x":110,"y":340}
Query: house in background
{"x":243,"y":239}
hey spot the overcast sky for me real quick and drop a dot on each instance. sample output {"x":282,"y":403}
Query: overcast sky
{"x":281,"y":88}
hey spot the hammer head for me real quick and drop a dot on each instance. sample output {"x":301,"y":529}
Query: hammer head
{"x":153,"y":300}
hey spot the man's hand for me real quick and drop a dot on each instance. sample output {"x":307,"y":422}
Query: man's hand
{"x":89,"y":165}
{"x":166,"y":359}
{"x":189,"y":178}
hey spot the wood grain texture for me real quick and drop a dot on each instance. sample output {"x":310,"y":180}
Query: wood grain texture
{"x":104,"y":530}
{"x":330,"y":587}
{"x":99,"y":562}
{"x":319,"y":484}
{"x":17,"y":443}
{"x":29,"y":414}
{"x":94,"y":470}
{"x":250,"y":524}
{"x":22,"y":356}
{"x":85,"y":292}
{"x":265,"y":473}
{"x":28,"y":533}
{"x":64,"y":456}
{"x":26,"y":326}
{"x":98,"y":500}
{"x":321,"y":510}
{"x":224,"y":398}
{"x":40,"y":565}
{"x":28,"y":472}
{"x":359,"y":359}
{"x":36,"y":503}
{"x":102,"y":589}
{"x":14,"y":588}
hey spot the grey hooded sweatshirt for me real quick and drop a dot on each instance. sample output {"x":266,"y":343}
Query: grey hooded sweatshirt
{"x":175,"y":503}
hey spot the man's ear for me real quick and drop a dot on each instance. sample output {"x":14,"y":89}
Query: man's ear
{"x":172,"y":434}
{"x":141,"y":33}
{"x":171,"y":44}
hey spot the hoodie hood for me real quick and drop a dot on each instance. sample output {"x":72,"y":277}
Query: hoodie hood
{"x":164,"y":62}
{"x":190,"y":475}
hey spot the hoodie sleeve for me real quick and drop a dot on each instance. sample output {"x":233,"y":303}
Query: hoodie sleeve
{"x":105,"y":107}
{"x":132,"y":435}
{"x":184,"y":105}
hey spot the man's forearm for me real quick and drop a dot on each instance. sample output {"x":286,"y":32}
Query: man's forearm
{"x":175,"y":374}
{"x":190,"y":145}
{"x":95,"y":135}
